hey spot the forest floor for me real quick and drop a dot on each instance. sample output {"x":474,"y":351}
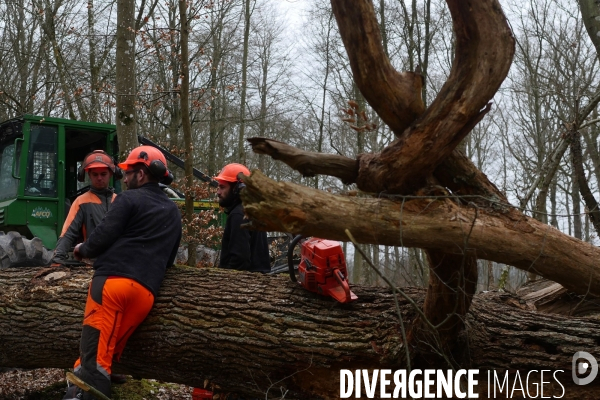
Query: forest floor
{"x":50,"y":384}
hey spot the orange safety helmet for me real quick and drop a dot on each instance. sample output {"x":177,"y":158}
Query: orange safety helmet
{"x":152,"y":158}
{"x":230,"y":172}
{"x":98,"y":159}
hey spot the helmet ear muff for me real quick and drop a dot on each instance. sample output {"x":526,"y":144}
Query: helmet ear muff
{"x":157,"y":169}
{"x":118,"y":174}
{"x":168,"y":179}
{"x":160,"y":171}
{"x":239,"y":185}
{"x":81,"y":174}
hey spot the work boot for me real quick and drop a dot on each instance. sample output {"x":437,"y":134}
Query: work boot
{"x":73,"y":393}
{"x":118,"y":378}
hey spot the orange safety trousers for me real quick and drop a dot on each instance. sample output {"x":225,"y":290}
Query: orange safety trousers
{"x":115,"y":307}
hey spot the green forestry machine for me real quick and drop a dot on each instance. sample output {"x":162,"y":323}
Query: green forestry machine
{"x":39,"y":160}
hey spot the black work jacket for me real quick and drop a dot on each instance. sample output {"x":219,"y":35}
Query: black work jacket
{"x":242,"y":249}
{"x":138,"y":238}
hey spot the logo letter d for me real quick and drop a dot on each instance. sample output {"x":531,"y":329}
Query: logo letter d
{"x":576,"y":368}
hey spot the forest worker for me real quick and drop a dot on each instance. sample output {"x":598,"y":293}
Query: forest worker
{"x":87,"y":210}
{"x":241,"y":249}
{"x":134,"y":245}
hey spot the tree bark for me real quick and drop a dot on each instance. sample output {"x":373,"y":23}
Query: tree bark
{"x":456,"y":172}
{"x":254,"y":334}
{"x":579,"y":174}
{"x":186,"y":125}
{"x":213,"y":125}
{"x":452,"y":285}
{"x":589,"y":12}
{"x":48,"y":25}
{"x":307,"y":163}
{"x":241,"y":153}
{"x":125,"y":85}
{"x":396,"y":96}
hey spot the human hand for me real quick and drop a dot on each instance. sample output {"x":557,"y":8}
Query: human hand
{"x":76,"y":252}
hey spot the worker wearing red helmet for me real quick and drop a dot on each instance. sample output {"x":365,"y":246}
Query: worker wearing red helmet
{"x":88,"y":209}
{"x":133,"y":245}
{"x":241,"y":249}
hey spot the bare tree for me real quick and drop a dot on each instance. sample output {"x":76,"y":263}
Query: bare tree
{"x":125,"y":86}
{"x":187,"y":130}
{"x":244,"y":83}
{"x":423,"y":161}
{"x":22,"y":56}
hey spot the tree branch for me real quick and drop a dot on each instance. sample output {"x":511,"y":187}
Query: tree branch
{"x":305,"y":162}
{"x":502,"y":236}
{"x":395,"y":96}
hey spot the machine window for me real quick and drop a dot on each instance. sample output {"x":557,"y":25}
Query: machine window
{"x":41,"y":169}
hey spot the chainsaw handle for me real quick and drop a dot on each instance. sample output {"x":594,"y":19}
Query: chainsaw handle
{"x":290,"y":255}
{"x":343,"y":282}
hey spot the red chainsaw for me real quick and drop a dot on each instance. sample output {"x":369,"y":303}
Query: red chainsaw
{"x":322,"y":268}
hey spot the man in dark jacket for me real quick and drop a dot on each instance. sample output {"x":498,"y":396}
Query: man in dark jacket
{"x":241,"y":249}
{"x":88,"y":209}
{"x":134,"y":245}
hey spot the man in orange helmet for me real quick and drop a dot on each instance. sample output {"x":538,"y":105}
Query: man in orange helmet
{"x":241,"y":249}
{"x":88,"y":209}
{"x":133,"y":245}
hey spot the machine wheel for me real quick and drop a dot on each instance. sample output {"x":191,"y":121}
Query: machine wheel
{"x":17,"y":251}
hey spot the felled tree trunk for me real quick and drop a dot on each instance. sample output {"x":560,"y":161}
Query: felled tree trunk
{"x":254,"y":334}
{"x":494,"y":233}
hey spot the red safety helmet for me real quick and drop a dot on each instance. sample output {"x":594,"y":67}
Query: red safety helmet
{"x":152,"y":158}
{"x":143,"y":155}
{"x":98,"y":159}
{"x":230,"y":172}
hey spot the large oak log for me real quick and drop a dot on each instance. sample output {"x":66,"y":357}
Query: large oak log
{"x":253,"y":333}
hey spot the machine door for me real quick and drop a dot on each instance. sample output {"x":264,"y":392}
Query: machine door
{"x":11,"y":141}
{"x":41,"y":183}
{"x":41,"y":177}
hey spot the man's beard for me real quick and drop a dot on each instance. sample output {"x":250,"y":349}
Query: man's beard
{"x":133,"y":182}
{"x":227,"y":201}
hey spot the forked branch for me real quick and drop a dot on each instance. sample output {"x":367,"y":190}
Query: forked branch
{"x":484,"y":51}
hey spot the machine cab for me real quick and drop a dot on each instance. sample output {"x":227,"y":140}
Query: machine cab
{"x":39,"y":159}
